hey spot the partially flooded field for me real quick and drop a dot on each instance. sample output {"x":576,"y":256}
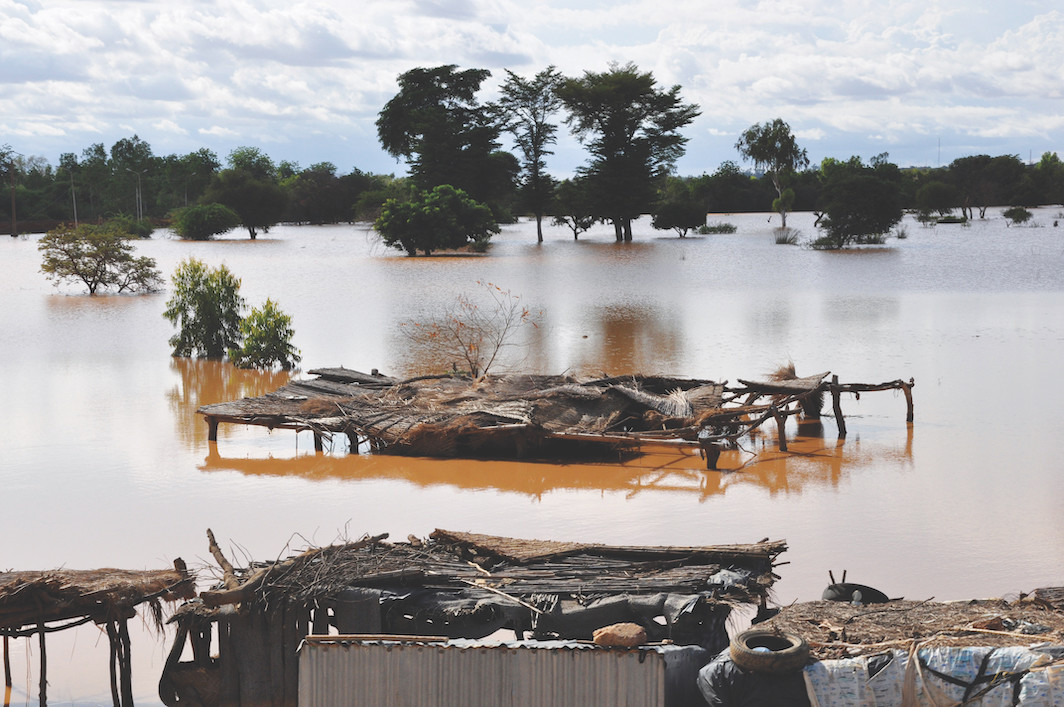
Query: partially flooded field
{"x":106,"y":464}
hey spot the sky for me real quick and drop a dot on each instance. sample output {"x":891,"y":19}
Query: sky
{"x":926,"y":81}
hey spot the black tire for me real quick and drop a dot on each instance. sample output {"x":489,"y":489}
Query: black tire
{"x":786,"y":651}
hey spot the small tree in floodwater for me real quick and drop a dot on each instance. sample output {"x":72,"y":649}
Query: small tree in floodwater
{"x":470,"y":332}
{"x":100,"y":257}
{"x":207,"y":309}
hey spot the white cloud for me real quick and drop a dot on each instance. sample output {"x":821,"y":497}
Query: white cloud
{"x":311,"y":74}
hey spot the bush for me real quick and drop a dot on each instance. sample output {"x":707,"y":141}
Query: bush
{"x":1016,"y":215}
{"x":787,"y":236}
{"x":101,"y":257}
{"x":472,"y":332}
{"x":719,"y":227}
{"x":267,"y":333}
{"x":444,"y":218}
{"x":201,"y":223}
{"x":131,"y":226}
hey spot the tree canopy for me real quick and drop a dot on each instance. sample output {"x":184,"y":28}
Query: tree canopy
{"x":100,"y":257}
{"x":772,"y":147}
{"x":860,"y":203}
{"x":632,"y":130}
{"x":444,"y":218}
{"x":436,"y":123}
{"x":205,"y":305}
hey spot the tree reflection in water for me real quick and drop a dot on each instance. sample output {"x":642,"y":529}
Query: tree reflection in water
{"x":204,"y":381}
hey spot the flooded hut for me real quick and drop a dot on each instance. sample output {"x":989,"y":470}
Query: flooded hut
{"x":451,"y":585}
{"x":43,"y":602}
{"x":521,"y":416}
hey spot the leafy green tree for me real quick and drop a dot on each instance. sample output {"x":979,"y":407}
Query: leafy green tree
{"x":443,"y":218}
{"x":527,"y":106}
{"x":677,"y":208}
{"x":572,"y":206}
{"x":632,"y":130}
{"x":204,"y":221}
{"x":254,"y":162}
{"x":260,"y":203}
{"x":206,"y":307}
{"x":938,"y":197}
{"x":773,"y":148}
{"x":267,"y":333}
{"x":446,"y":136}
{"x":860,"y":203}
{"x":100,"y":257}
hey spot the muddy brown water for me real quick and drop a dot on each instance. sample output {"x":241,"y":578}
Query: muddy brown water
{"x":103,"y":461}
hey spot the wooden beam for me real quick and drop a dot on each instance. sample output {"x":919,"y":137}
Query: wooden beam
{"x":836,"y":404}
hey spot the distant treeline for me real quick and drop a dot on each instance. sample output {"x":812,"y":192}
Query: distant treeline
{"x":102,"y":183}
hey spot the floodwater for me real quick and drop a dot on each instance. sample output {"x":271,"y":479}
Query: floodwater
{"x":104,"y":463}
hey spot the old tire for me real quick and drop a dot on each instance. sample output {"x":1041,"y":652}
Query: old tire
{"x":786,"y":651}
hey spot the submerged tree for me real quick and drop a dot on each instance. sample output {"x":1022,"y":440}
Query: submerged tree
{"x":203,"y":222}
{"x":444,"y":218}
{"x":632,"y":129}
{"x":100,"y":257}
{"x":772,"y":147}
{"x":572,"y":206}
{"x":471,"y":332}
{"x":267,"y":335}
{"x":861,"y":204}
{"x":206,"y":308}
{"x":527,"y":106}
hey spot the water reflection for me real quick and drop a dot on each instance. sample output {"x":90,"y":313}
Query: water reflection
{"x":611,"y":339}
{"x":813,"y":460}
{"x":204,"y":382}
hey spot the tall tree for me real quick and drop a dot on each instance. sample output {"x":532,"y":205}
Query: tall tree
{"x":773,"y":148}
{"x":632,"y":130}
{"x":436,"y":123}
{"x":527,"y":106}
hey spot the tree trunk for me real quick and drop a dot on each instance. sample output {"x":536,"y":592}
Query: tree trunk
{"x":618,"y":232}
{"x":628,"y":230}
{"x":539,"y":228}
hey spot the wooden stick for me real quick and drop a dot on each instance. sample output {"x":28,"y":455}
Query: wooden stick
{"x":231,"y":580}
{"x":502,"y":594}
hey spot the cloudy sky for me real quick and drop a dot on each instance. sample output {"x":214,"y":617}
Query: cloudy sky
{"x":927,"y":81}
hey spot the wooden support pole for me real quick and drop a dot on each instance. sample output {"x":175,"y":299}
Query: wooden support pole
{"x":125,"y":665}
{"x":836,"y":403}
{"x":112,"y":642}
{"x":352,"y":442}
{"x":781,"y":427}
{"x":317,"y":442}
{"x":212,"y":429}
{"x":44,"y":667}
{"x":7,"y":663}
{"x":907,"y":388}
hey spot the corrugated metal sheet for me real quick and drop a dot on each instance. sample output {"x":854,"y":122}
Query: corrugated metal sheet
{"x":473,"y":674}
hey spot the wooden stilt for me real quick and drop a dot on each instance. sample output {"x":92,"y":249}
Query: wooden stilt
{"x":7,"y":662}
{"x":352,"y":442}
{"x":836,"y":403}
{"x":908,"y":390}
{"x":781,"y":427}
{"x":317,"y":442}
{"x":212,"y":429}
{"x":125,"y":665}
{"x":112,"y":642}
{"x":44,"y":667}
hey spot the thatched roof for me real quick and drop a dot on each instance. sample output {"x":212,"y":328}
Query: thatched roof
{"x":451,"y":560}
{"x":841,"y":630}
{"x":30,"y":597}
